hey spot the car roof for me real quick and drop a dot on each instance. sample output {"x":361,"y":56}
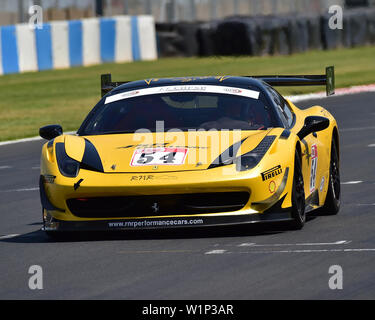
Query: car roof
{"x":231,"y":81}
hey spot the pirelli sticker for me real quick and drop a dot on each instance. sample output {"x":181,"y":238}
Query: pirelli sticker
{"x":271,"y":173}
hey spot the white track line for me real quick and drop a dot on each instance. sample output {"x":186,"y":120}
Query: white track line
{"x":308,"y":251}
{"x":293,"y":251}
{"x":352,"y":182}
{"x":216,"y":252}
{"x":20,"y":190}
{"x":5,"y":167}
{"x":339,"y":92}
{"x":4,"y":143}
{"x":294,"y":244}
{"x":357,"y":129}
{"x":9,"y":236}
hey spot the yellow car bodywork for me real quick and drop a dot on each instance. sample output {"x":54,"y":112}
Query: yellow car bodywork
{"x":119,"y":179}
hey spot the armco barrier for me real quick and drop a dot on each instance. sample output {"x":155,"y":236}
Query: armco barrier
{"x":268,"y":35}
{"x":370,"y":17}
{"x":64,"y":44}
{"x":175,"y":39}
{"x":206,"y":40}
{"x":298,"y":34}
{"x":357,"y":28}
{"x":314,"y":32}
{"x":236,"y":36}
{"x":331,"y":39}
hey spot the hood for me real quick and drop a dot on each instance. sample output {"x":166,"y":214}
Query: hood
{"x":159,"y":152}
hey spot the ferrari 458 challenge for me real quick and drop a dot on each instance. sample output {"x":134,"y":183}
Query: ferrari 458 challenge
{"x":192,"y":152}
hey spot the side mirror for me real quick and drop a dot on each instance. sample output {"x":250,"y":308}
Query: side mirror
{"x":313,"y":124}
{"x":51,"y":131}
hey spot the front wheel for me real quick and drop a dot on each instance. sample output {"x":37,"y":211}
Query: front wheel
{"x":298,"y":196}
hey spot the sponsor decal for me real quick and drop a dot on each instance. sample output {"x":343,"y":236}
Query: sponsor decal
{"x":321,"y":185}
{"x":306,"y":153}
{"x":189,"y":147}
{"x":155,"y":207}
{"x":77,"y":184}
{"x":126,"y":95}
{"x":159,"y":145}
{"x":165,"y":177}
{"x":272,"y":186}
{"x":271,"y":173}
{"x":233,"y":90}
{"x":190,"y":79}
{"x":158,"y":156}
{"x":314,"y":164}
{"x":155,"y":145}
{"x":154,"y":223}
{"x":222,"y":78}
{"x":148,"y":81}
{"x":149,"y":177}
{"x":142,"y":178}
{"x":184,"y":88}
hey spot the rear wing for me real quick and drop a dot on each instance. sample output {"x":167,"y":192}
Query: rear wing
{"x":327,"y":80}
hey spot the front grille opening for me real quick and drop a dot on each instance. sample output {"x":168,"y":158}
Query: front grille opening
{"x":157,"y":205}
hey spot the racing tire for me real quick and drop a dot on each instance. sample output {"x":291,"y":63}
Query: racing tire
{"x":332,"y":203}
{"x":298,"y":196}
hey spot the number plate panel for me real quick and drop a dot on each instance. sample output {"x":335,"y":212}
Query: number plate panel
{"x":158,"y":157}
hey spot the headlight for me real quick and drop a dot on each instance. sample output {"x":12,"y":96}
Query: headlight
{"x":247,"y":161}
{"x":67,"y":166}
{"x":70,"y":167}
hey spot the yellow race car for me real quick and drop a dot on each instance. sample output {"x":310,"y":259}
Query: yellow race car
{"x":192,"y":152}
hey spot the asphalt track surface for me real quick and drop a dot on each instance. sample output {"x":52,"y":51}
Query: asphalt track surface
{"x":256,"y":262}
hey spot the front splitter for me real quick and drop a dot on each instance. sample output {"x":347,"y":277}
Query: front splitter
{"x":164,"y":223}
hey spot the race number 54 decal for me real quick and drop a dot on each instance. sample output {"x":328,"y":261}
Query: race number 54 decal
{"x":158,"y":156}
{"x":314,"y":164}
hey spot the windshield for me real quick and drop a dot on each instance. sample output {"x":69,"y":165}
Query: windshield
{"x":182,"y":111}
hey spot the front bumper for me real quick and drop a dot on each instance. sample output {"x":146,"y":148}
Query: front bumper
{"x":53,"y":224}
{"x":58,"y":217}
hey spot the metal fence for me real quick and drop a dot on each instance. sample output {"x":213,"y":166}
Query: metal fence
{"x":13,"y":11}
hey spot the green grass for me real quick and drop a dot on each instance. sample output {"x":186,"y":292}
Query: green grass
{"x":31,"y":100}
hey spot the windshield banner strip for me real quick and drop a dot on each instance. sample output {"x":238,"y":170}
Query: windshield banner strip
{"x":183,"y":89}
